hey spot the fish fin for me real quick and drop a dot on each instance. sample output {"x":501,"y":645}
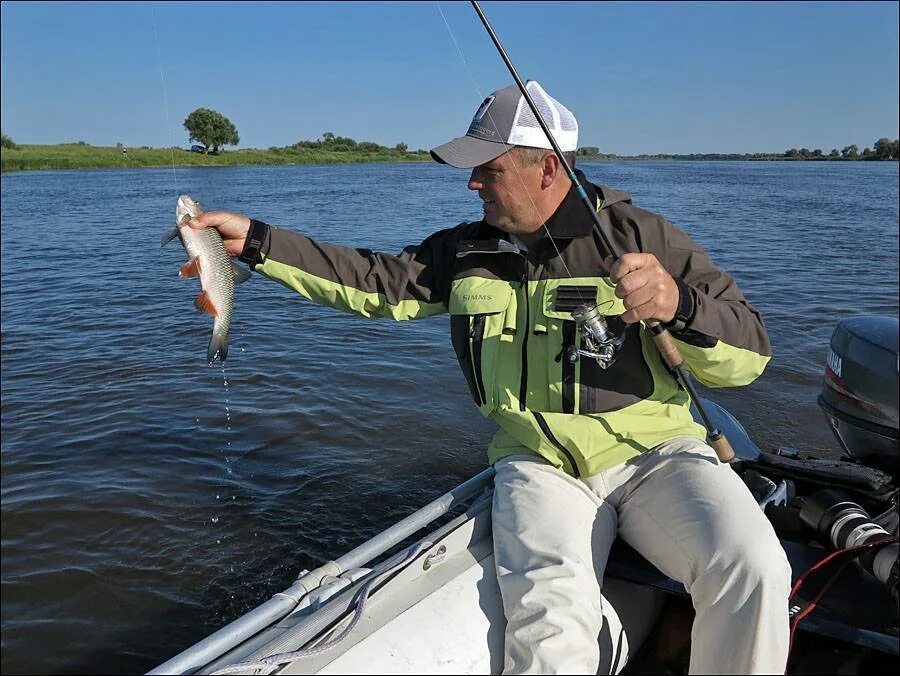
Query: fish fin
{"x":191,"y":268}
{"x":169,"y":236}
{"x":240,"y":274}
{"x":218,"y":348}
{"x":204,"y":304}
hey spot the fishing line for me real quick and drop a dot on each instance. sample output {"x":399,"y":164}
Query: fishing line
{"x":589,"y":320}
{"x":162,"y":78}
{"x":507,"y":147}
{"x":597,"y":341}
{"x":228,"y":449}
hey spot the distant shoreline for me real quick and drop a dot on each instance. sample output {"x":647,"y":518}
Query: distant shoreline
{"x":84,"y":156}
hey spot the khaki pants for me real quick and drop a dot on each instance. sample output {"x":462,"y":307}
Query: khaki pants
{"x":688,"y":514}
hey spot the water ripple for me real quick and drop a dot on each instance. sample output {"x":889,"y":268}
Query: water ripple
{"x":141,"y":493}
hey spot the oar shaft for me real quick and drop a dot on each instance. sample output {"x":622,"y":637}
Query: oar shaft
{"x":661,"y":337}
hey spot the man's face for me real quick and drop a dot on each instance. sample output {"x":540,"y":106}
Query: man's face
{"x":511,"y":193}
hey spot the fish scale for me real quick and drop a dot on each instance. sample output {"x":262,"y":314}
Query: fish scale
{"x":208,"y":259}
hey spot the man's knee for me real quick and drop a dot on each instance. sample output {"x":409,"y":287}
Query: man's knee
{"x":757,"y":561}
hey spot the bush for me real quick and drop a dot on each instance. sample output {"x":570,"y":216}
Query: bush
{"x":7,"y":142}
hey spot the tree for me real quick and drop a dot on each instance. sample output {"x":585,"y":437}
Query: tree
{"x":211,"y":129}
{"x":7,"y":142}
{"x":850,"y":152}
{"x":402,"y":147}
{"x":885,"y":149}
{"x":834,"y":154}
{"x":867,"y":154}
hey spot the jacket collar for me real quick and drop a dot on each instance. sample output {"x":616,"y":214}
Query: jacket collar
{"x":571,"y":219}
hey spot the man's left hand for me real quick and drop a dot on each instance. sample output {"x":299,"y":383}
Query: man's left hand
{"x":646,"y":289}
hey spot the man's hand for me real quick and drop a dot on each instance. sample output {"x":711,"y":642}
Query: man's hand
{"x":647,"y":290}
{"x":232,"y":227}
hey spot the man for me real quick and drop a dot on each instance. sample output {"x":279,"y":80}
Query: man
{"x":584,"y":452}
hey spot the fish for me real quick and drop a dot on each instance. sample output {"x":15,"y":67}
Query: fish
{"x":208,"y":260}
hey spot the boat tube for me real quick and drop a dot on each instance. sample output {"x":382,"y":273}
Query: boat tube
{"x":422,"y":596}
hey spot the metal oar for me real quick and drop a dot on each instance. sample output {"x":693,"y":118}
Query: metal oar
{"x":661,"y":337}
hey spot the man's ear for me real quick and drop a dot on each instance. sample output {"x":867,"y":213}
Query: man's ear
{"x":552,"y":168}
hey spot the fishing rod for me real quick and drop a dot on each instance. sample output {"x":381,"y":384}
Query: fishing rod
{"x":588,"y":317}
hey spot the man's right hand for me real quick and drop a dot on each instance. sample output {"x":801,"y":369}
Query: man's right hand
{"x":232,"y":227}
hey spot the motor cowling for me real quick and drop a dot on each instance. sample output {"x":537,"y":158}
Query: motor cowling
{"x":862,"y":387}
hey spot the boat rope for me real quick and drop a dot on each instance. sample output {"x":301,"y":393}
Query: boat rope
{"x":269,"y":664}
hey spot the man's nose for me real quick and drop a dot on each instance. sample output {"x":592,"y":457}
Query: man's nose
{"x":474,"y":182}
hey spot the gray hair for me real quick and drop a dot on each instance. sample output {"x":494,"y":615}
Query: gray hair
{"x":530,"y":156}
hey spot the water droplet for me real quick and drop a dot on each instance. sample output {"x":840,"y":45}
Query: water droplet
{"x":218,"y":542}
{"x":217,"y":497}
{"x":215,"y":519}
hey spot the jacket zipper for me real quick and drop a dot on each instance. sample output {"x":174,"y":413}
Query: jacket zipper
{"x":502,"y":247}
{"x":570,"y":337}
{"x":476,"y":338}
{"x":523,"y":385}
{"x":545,"y":428}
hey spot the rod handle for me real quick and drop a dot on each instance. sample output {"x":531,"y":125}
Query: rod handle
{"x":722,"y":447}
{"x":666,"y":345}
{"x":672,"y":356}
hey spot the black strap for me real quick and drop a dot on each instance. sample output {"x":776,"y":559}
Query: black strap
{"x":255,"y":244}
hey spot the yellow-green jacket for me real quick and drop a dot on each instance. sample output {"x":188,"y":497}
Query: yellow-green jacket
{"x":512,"y":329}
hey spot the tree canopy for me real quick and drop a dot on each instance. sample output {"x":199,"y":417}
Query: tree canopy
{"x":211,"y":128}
{"x":885,"y":149}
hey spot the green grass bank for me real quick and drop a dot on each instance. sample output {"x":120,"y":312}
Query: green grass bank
{"x":83,"y":156}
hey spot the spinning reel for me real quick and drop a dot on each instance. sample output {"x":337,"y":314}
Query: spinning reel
{"x":601,"y":344}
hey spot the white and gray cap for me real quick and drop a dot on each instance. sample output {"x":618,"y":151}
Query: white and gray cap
{"x":504,"y":119}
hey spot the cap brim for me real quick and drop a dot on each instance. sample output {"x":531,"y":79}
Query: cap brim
{"x":466,"y":152}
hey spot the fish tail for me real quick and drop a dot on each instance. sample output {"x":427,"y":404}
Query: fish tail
{"x":218,"y":348}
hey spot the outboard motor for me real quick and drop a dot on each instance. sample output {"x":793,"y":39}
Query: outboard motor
{"x":862,"y":388}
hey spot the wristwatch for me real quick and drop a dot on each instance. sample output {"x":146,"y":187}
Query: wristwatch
{"x":684,"y":315}
{"x":256,"y":242}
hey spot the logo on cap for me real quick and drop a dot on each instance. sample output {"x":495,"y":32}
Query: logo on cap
{"x":476,"y":128}
{"x":482,"y":109}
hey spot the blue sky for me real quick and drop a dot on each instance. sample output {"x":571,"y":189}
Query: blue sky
{"x":640,"y":77}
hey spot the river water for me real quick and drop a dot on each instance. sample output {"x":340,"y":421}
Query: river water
{"x":148,"y":499}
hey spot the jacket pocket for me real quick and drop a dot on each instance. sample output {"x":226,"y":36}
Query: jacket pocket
{"x":585,"y":387}
{"x":479,"y":322}
{"x":560,"y":298}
